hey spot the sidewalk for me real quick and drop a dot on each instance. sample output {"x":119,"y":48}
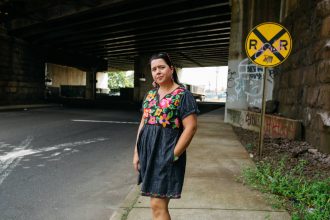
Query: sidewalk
{"x":26,"y":107}
{"x":210,"y":191}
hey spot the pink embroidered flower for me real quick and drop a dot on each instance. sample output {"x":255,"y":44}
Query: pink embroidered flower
{"x":177,"y":122}
{"x":164,"y":120}
{"x":146,"y":112}
{"x":165,"y":103}
{"x":152,"y":103}
{"x":152,"y":120}
{"x":158,"y":111}
{"x":177,"y":91}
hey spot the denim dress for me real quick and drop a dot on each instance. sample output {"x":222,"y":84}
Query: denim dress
{"x":160,"y":176}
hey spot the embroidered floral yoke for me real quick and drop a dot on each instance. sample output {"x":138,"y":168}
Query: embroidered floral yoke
{"x":159,"y":175}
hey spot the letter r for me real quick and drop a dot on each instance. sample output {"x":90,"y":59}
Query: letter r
{"x":283,"y":44}
{"x":253,"y":43}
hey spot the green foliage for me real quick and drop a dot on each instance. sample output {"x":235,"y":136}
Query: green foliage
{"x":120,"y":80}
{"x":306,"y":199}
{"x":249,"y":146}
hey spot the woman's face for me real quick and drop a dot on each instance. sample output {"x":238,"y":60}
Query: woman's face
{"x":161,"y":72}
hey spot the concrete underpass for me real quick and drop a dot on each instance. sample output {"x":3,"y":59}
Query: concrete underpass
{"x":63,"y":143}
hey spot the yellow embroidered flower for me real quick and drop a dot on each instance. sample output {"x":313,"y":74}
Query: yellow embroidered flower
{"x":158,"y":111}
{"x":150,"y":96}
{"x":177,"y":102}
{"x":164,"y":120}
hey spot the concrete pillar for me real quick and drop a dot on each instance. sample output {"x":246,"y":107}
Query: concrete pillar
{"x":90,"y":85}
{"x":235,"y":100}
{"x":244,"y":84}
{"x":142,"y":77}
{"x":179,"y":72}
{"x":22,"y":71}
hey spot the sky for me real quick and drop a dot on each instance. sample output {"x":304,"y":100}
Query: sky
{"x":206,"y":76}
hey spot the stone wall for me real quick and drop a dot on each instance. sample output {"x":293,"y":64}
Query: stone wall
{"x":303,"y":85}
{"x":21,"y":72}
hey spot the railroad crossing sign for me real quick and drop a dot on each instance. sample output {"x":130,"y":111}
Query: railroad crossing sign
{"x":268,"y":44}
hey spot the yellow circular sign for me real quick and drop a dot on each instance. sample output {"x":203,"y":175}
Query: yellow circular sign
{"x":268,"y":44}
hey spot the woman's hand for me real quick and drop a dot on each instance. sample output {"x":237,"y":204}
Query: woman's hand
{"x":136,"y":162}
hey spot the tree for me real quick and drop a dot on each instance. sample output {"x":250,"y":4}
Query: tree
{"x":120,"y":80}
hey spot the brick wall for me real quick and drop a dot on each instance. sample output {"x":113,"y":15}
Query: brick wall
{"x":21,"y":72}
{"x":303,"y":85}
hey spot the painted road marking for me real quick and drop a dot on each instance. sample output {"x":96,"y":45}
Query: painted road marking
{"x":9,"y":164}
{"x":11,"y":159}
{"x":110,"y":122}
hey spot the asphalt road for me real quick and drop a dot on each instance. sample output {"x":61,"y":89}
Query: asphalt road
{"x":60,"y":163}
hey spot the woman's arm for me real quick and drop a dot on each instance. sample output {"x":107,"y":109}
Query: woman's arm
{"x":136,"y":156}
{"x":189,"y":130}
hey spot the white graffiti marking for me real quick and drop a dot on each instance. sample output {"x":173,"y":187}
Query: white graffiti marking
{"x":10,"y":160}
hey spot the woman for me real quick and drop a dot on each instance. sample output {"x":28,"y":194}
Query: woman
{"x":168,"y":125}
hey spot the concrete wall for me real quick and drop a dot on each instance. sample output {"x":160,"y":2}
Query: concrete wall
{"x":244,"y":86}
{"x":303,"y":85}
{"x":64,"y":75}
{"x":21,"y":72}
{"x":275,"y":126}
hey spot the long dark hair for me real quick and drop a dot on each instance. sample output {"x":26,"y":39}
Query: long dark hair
{"x":166,"y":58}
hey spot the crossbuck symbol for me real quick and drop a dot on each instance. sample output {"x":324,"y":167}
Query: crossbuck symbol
{"x":268,"y":44}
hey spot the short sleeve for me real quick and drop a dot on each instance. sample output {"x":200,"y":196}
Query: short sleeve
{"x":188,"y":105}
{"x":142,"y":103}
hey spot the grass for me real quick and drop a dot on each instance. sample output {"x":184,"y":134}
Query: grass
{"x":302,"y":197}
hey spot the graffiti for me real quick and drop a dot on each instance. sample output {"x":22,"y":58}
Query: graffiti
{"x":252,"y":119}
{"x":231,"y":78}
{"x":235,"y":117}
{"x":245,"y":85}
{"x":273,"y":71}
{"x":255,"y":102}
{"x":275,"y":127}
{"x":250,"y":76}
{"x":268,"y":59}
{"x":231,"y":98}
{"x":270,"y":47}
{"x":257,"y":76}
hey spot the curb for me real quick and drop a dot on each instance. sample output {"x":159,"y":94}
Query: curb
{"x":127,"y":205}
{"x":27,"y":107}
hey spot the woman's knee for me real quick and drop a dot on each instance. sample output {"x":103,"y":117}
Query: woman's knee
{"x":159,"y":205}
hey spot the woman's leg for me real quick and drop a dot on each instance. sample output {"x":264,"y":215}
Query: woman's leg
{"x":159,"y":208}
